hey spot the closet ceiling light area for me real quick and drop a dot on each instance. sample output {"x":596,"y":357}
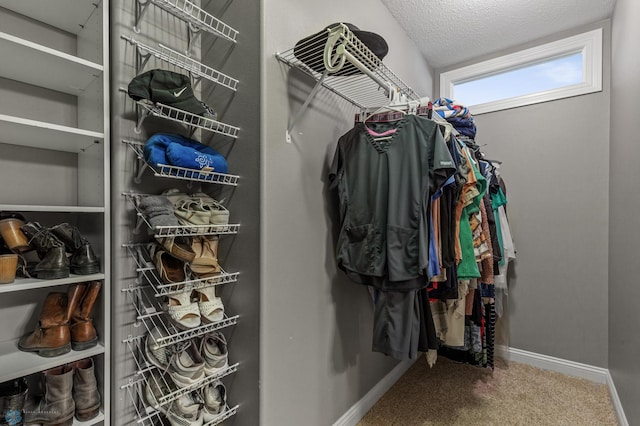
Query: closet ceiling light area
{"x":449,"y":33}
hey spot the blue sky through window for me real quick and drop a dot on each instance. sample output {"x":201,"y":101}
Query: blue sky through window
{"x":552,"y":74}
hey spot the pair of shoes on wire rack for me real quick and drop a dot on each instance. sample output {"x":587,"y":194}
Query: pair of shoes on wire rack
{"x":197,"y":208}
{"x":188,"y":362}
{"x":194,"y":408}
{"x":190,"y":308}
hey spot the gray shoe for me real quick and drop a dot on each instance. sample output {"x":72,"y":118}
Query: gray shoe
{"x":56,"y":407}
{"x":184,"y":411}
{"x":215,"y":400}
{"x":214,"y":352}
{"x":182,"y":361}
{"x":85,"y":390}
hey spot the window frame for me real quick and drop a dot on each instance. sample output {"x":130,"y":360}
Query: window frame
{"x":588,"y":43}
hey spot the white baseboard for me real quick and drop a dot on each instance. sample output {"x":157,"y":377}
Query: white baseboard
{"x":570,"y":368}
{"x":362,"y":407}
{"x":575,"y":369}
{"x":615,"y":399}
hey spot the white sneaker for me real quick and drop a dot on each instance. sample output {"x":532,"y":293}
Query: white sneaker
{"x":182,"y":360}
{"x":215,"y":401}
{"x":185,"y":411}
{"x":187,"y":365}
{"x":214,"y":351}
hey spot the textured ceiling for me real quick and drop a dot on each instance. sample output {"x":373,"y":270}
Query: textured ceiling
{"x":452,"y":31}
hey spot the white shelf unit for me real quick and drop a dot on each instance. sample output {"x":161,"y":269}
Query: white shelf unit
{"x":57,"y":118}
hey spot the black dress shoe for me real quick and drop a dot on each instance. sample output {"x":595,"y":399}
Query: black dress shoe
{"x":83,"y":259}
{"x":54,"y":263}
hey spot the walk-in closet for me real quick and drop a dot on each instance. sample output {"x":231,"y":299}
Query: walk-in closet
{"x":384,"y":212}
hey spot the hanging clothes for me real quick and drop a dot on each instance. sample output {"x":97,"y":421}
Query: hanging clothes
{"x":385,"y":174}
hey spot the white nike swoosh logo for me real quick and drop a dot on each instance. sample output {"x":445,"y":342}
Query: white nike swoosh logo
{"x":177,"y":94}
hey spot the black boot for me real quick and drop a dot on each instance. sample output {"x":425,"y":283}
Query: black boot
{"x":83,"y":259}
{"x":12,"y":397}
{"x":54,"y":263}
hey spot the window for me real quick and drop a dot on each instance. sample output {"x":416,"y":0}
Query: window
{"x":568,"y":67}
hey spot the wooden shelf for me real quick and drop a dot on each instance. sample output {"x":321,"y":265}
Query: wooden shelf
{"x":21,"y":284}
{"x":40,"y":134}
{"x":15,"y":363}
{"x":39,"y":65}
{"x":68,"y":15}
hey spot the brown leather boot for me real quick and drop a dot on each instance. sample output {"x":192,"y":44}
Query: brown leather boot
{"x":85,"y":390}
{"x":56,"y":406}
{"x":51,"y":336}
{"x":83,"y":333}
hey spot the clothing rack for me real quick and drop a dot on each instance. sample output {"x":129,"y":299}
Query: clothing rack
{"x":350,"y":70}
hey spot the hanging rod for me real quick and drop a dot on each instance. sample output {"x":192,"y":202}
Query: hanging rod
{"x":197,"y":69}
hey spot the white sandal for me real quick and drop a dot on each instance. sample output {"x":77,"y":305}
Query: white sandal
{"x":182,"y":312}
{"x":210,"y":305}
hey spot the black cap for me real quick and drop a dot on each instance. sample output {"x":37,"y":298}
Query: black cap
{"x":166,"y":87}
{"x":310,"y":49}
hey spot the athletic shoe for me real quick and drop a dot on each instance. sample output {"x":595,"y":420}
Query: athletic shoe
{"x":215,"y":401}
{"x":213,"y":348}
{"x":187,"y":365}
{"x":182,"y":360}
{"x":184,"y":411}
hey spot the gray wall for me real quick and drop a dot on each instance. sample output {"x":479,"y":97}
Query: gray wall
{"x":624,"y":237}
{"x":556,"y":167}
{"x":316,"y":359}
{"x":242,"y":252}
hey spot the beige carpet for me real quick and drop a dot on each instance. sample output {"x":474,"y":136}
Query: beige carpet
{"x":514,"y":394}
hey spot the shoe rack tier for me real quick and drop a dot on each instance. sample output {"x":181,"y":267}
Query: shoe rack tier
{"x":198,"y":19}
{"x":197,"y":70}
{"x":150,"y":315}
{"x":149,"y":415}
{"x":191,"y":120}
{"x":144,"y":368}
{"x":174,"y":172}
{"x":182,"y":230}
{"x":147,"y":272}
